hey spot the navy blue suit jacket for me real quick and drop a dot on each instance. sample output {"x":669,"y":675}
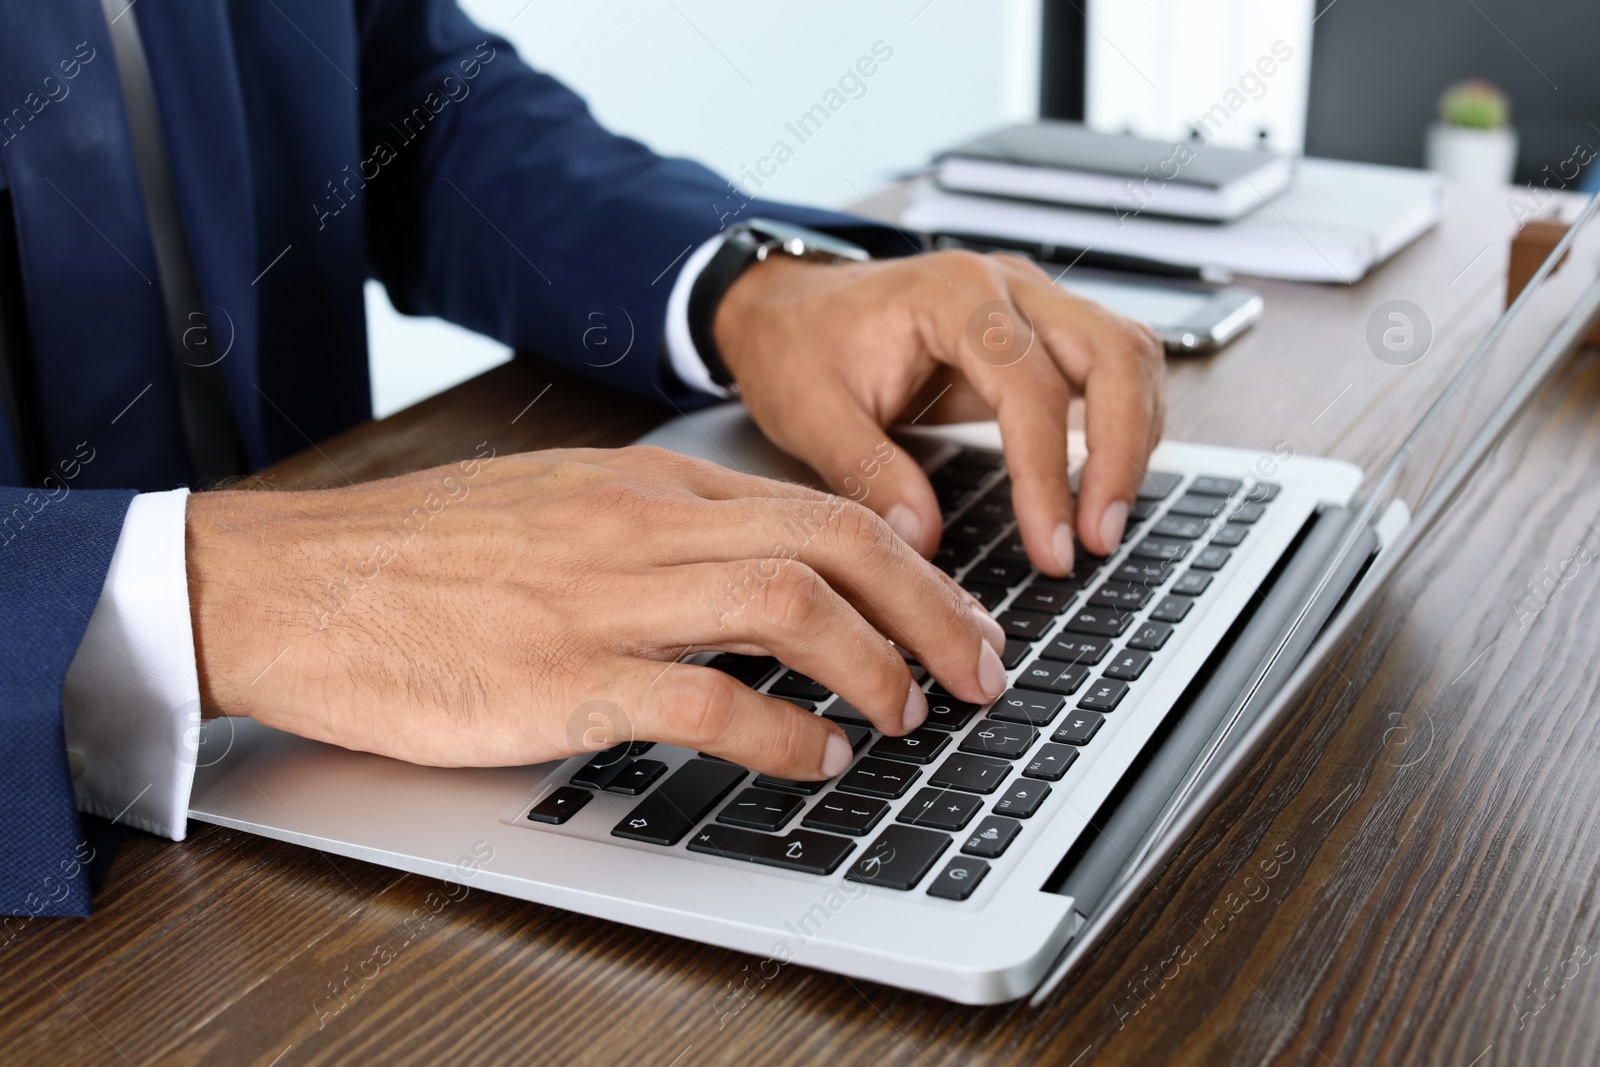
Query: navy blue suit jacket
{"x":313,"y":144}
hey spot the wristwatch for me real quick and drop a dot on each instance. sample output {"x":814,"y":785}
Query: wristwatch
{"x":745,"y":244}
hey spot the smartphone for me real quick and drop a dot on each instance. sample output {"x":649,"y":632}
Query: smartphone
{"x":1190,"y":316}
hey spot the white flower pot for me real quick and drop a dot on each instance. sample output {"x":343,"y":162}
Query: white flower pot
{"x":1472,"y":156}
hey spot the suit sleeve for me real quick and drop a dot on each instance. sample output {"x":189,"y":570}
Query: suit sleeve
{"x":505,"y":207}
{"x":54,"y":554}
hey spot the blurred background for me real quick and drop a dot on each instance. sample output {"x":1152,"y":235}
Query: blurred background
{"x":717,"y":81}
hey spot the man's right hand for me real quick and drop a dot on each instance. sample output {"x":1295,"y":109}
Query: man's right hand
{"x":467,"y":615}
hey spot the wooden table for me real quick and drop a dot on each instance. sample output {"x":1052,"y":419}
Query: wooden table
{"x":1433,"y":807}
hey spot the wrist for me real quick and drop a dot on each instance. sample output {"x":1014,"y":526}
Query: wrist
{"x":734,"y":324}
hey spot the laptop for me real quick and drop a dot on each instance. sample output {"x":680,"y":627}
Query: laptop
{"x":981,"y":857}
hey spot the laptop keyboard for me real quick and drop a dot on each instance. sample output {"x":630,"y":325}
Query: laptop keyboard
{"x":970,"y":778}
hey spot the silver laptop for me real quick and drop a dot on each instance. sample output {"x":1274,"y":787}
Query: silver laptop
{"x":979,"y":858}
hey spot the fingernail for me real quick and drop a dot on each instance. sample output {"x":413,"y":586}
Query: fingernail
{"x":992,"y":633}
{"x":991,"y":673}
{"x":1062,"y":543}
{"x":837,"y":756}
{"x":904,"y":522}
{"x":916,"y":712}
{"x":1112,"y":524}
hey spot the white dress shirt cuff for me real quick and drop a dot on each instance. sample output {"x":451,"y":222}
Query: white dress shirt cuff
{"x":681,"y":352}
{"x":131,"y":703}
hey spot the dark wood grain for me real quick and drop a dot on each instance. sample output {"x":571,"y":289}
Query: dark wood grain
{"x":1431,"y":809}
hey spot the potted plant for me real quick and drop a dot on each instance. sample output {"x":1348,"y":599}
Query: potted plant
{"x":1472,"y":142}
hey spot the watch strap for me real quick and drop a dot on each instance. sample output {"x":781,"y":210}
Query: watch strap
{"x":739,"y":249}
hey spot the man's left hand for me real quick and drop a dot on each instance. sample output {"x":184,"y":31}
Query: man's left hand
{"x":827,"y":355}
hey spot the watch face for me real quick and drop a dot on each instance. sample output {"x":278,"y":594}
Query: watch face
{"x":800,"y":241}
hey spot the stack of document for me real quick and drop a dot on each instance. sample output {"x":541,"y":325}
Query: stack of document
{"x":1333,"y":222}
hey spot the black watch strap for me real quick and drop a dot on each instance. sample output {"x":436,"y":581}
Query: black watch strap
{"x":738,"y":251}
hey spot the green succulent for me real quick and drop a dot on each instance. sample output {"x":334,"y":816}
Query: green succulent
{"x":1476,"y":104}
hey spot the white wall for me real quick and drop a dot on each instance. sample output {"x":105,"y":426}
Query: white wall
{"x":718,"y":80}
{"x":1156,"y":66}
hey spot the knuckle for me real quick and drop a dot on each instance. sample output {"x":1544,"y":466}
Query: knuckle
{"x":863,"y":532}
{"x":701,"y":707}
{"x":794,"y":601}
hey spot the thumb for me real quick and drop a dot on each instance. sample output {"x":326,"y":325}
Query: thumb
{"x":859,"y":460}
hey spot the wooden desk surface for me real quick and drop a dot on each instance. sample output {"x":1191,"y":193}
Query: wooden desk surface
{"x":1432,"y":809}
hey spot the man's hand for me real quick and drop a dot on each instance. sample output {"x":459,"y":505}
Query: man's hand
{"x":826,"y":356}
{"x":475,"y":614}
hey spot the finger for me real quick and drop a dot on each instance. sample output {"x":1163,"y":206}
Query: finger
{"x":1122,"y":422}
{"x":902,"y":595}
{"x":859,"y":461}
{"x":703,"y":478}
{"x":783,"y":608}
{"x":707,"y":711}
{"x":1033,"y":427}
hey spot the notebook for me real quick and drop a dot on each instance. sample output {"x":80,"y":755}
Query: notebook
{"x":1068,"y":163}
{"x":1333,"y":224}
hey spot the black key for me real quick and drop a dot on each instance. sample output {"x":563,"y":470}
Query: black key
{"x":1193,"y":583}
{"x":1262,"y":492}
{"x":899,"y":857}
{"x":751,"y":670}
{"x":1198,"y":507}
{"x":1158,"y":485}
{"x":636,"y":748}
{"x":991,"y":837}
{"x":1126,"y":596}
{"x":790,"y":785}
{"x":1022,"y":799}
{"x":1050,"y":762}
{"x":951,"y":557}
{"x":845,"y":814}
{"x":1043,"y":598}
{"x":984,"y":593}
{"x":1150,"y":637}
{"x":1129,"y":532}
{"x":1208,"y":485}
{"x":995,"y":507}
{"x":1127,"y":665}
{"x":940,"y":809}
{"x":1180,"y":527}
{"x":999,"y":570}
{"x":960,"y":475}
{"x":975,"y":774}
{"x":1014,"y":653}
{"x":1078,"y":728}
{"x":1143,"y":509}
{"x":601,"y":769}
{"x":879,"y":778}
{"x":1230,"y":536}
{"x":1103,"y":696}
{"x":971,"y":531}
{"x":1161,"y":549}
{"x":958,"y":879}
{"x":987,"y":459}
{"x":795,"y":684}
{"x":945,"y":712}
{"x":1024,"y":625}
{"x":1077,"y":648}
{"x":1171,"y":609}
{"x":846,"y":715}
{"x":798,"y":850}
{"x":919,"y":673}
{"x":1031,"y":709}
{"x":1048,"y":676}
{"x":996,"y":737}
{"x":560,"y":805}
{"x":1010,"y":548}
{"x":760,"y":809}
{"x":637,"y":777}
{"x":1248,"y":514}
{"x":919,"y":746}
{"x":951,"y":497}
{"x":1211,"y":558}
{"x":1106,"y":622}
{"x":856,"y":735}
{"x":1143,"y":572}
{"x":686,"y":797}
